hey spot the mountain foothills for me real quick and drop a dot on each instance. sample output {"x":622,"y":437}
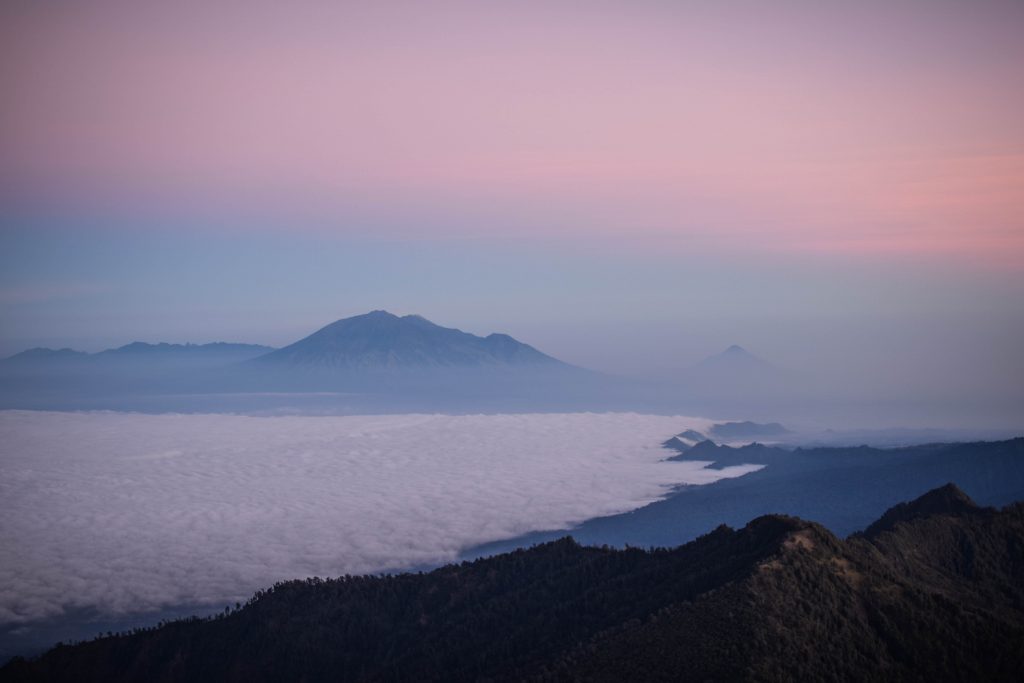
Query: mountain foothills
{"x":933,"y":591}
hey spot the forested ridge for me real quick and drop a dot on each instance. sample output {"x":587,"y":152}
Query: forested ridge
{"x":933,"y":591}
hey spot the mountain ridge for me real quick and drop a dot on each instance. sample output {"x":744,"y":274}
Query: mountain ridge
{"x":374,"y":340}
{"x":382,"y":340}
{"x":936,"y":597}
{"x":945,"y":500}
{"x":137,"y":349}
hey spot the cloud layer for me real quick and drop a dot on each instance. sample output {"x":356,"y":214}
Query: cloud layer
{"x":128,"y":513}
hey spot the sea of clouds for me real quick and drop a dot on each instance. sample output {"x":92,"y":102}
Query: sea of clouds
{"x":126,"y":513}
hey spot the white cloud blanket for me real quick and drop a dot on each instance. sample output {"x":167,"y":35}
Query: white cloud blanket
{"x":129,"y":513}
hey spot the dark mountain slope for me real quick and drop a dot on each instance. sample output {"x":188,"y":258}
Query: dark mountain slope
{"x":936,"y":597}
{"x":896,"y":606}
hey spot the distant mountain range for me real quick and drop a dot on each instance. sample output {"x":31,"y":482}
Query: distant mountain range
{"x":747,"y":430}
{"x":382,"y":340}
{"x":373,"y":341}
{"x":376,"y":362}
{"x":42,"y":354}
{"x":726,"y":431}
{"x":933,"y":591}
{"x":141,"y":351}
{"x":222,"y":349}
{"x":381,"y":362}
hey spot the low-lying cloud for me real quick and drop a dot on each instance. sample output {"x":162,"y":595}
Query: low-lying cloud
{"x":128,"y":513}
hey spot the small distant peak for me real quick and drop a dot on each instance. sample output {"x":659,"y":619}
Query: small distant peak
{"x":380,"y":313}
{"x":945,"y":500}
{"x":948,"y":498}
{"x":684,"y":441}
{"x":692,"y":435}
{"x":735,"y":348}
{"x":705,"y":446}
{"x":950,"y":490}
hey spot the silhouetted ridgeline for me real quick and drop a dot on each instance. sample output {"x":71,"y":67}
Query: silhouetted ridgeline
{"x":935,"y":591}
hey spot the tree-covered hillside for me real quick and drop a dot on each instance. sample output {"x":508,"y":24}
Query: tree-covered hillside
{"x":934,"y":593}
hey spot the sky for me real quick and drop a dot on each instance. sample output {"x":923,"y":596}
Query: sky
{"x":629,"y":186}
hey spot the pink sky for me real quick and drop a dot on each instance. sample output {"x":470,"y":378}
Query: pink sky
{"x":806,"y":127}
